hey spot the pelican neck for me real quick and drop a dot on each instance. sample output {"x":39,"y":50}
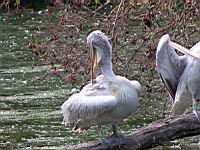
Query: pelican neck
{"x":106,"y":61}
{"x":106,"y":68}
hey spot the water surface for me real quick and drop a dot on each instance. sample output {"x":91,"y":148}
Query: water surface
{"x":30,"y":116}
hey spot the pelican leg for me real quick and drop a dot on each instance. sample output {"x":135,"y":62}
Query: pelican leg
{"x":116,"y":138}
{"x":106,"y":143}
{"x":194,"y":109}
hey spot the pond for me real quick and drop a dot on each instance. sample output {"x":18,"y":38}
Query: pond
{"x":30,"y":116}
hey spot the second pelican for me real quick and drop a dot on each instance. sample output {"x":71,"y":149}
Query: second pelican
{"x":108,"y":99}
{"x":181,"y":74}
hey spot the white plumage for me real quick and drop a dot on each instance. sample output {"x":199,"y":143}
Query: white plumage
{"x":181,"y":74}
{"x":106,"y":102}
{"x":111,"y":99}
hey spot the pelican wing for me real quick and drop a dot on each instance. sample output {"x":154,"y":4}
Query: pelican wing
{"x":100,"y":88}
{"x":169,"y":65}
{"x":79,"y":106}
{"x":196,"y":48}
{"x":90,"y":103}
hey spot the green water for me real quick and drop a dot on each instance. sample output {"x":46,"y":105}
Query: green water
{"x":30,"y":116}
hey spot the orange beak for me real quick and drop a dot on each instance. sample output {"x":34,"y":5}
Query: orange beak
{"x":94,"y":63}
{"x":183,"y":50}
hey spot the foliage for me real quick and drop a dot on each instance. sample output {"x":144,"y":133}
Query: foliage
{"x":17,"y":2}
{"x":134,"y":29}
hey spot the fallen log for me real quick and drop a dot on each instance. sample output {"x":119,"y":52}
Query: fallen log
{"x":156,"y":133}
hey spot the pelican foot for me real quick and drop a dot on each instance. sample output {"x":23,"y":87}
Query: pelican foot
{"x":117,"y":140}
{"x":197,"y":114}
{"x":194,"y":110}
{"x":113,"y":141}
{"x":105,"y":143}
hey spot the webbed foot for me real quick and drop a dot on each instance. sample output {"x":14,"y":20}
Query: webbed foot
{"x":197,"y":113}
{"x":117,"y":140}
{"x":114,"y":140}
{"x":107,"y":144}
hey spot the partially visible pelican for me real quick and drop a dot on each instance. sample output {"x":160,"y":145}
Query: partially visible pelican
{"x":181,"y":74}
{"x":108,"y":99}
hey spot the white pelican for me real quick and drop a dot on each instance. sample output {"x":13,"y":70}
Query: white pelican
{"x":181,"y":74}
{"x":107,"y":100}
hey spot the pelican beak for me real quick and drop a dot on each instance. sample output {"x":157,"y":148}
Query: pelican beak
{"x":94,"y":64}
{"x":183,"y":50}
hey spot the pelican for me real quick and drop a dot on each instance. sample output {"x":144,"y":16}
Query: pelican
{"x":180,"y":74}
{"x":106,"y":100}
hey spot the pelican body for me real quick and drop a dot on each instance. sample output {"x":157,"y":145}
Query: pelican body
{"x":108,"y":99}
{"x":181,"y":75}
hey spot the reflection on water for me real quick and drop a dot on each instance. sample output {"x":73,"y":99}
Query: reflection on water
{"x":30,"y":111}
{"x":30,"y":114}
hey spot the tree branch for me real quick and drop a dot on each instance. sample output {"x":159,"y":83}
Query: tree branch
{"x":156,"y":133}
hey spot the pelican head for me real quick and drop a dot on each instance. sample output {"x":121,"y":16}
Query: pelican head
{"x":101,"y":53}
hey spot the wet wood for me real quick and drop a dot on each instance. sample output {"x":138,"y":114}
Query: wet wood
{"x":156,"y":133}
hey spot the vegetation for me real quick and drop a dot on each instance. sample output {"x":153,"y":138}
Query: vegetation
{"x":59,"y":39}
{"x":134,"y":29}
